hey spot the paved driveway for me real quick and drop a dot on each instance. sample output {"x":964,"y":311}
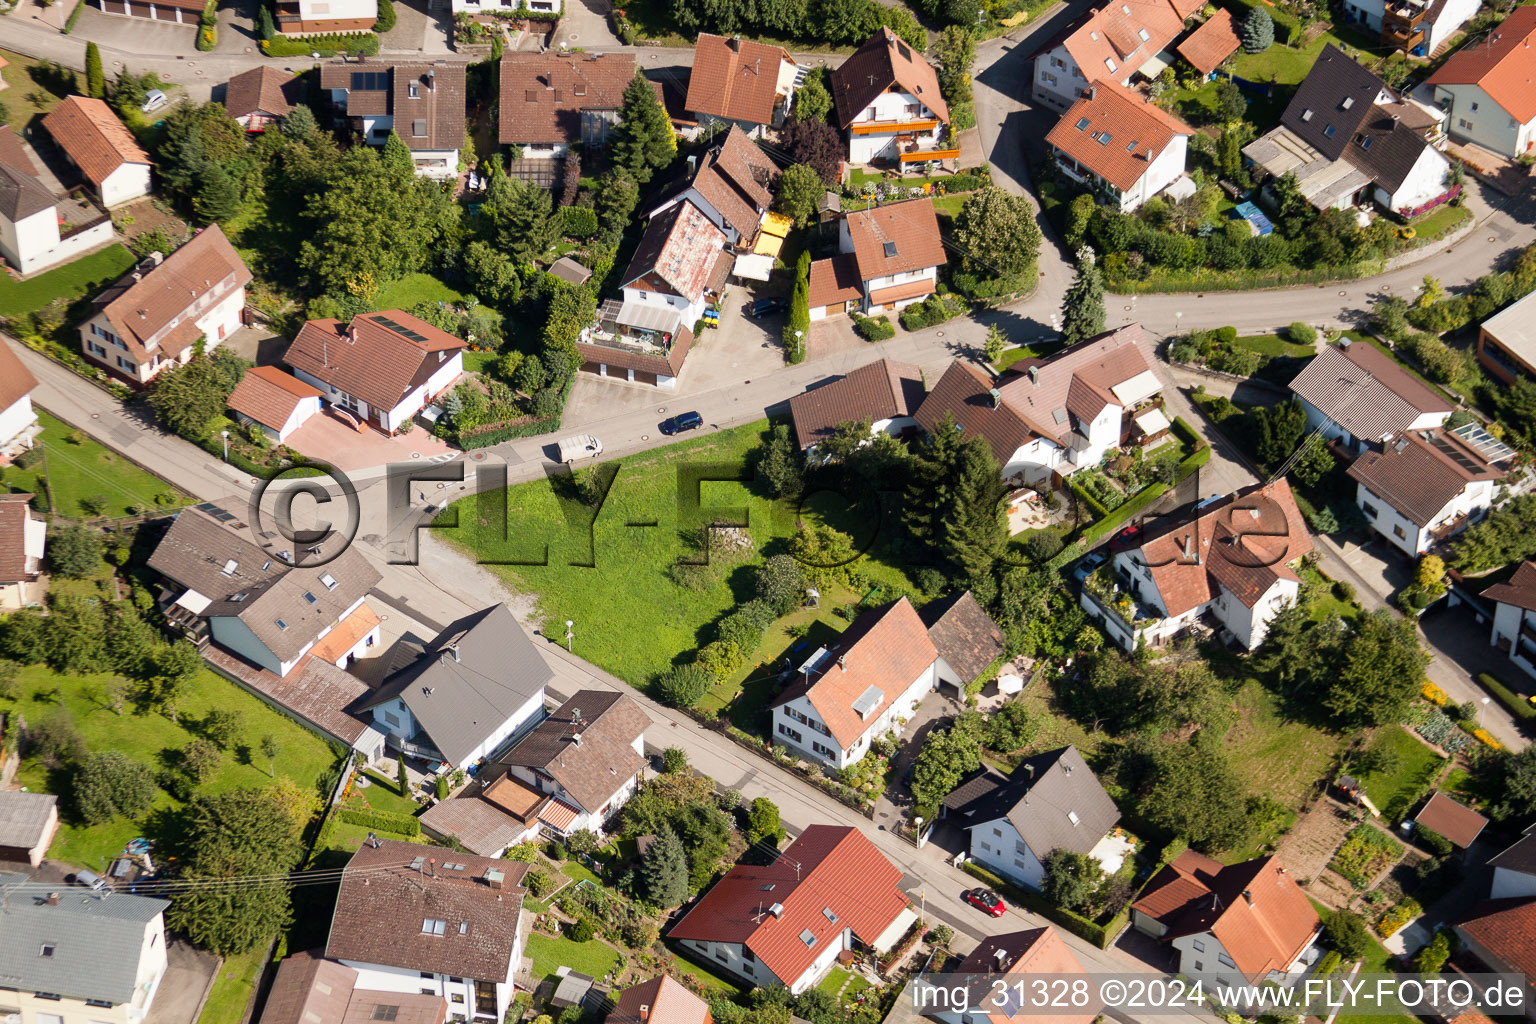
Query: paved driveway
{"x":328,"y":438}
{"x":188,"y":977}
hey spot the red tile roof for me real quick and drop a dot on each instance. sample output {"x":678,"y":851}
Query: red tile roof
{"x":369,"y":359}
{"x":835,"y":280}
{"x":883,"y":61}
{"x":1115,"y":134}
{"x":14,"y":515}
{"x":881,"y":390}
{"x":1255,"y":909}
{"x":1017,"y":955}
{"x":269,"y":396}
{"x":660,"y":1001}
{"x":1109,"y":40}
{"x":735,"y":78}
{"x":1503,"y":64}
{"x":828,"y":868}
{"x":16,"y":381}
{"x":896,"y":238}
{"x":677,"y":253}
{"x":1507,"y":930}
{"x":1210,"y":44}
{"x":94,"y":138}
{"x":1455,"y":821}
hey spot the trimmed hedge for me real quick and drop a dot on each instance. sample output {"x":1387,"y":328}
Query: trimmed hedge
{"x":74,"y":16}
{"x":399,"y":824}
{"x":579,"y":222}
{"x":207,"y":38}
{"x":874,"y":328}
{"x":1100,"y":935}
{"x":1512,"y":701}
{"x":325,"y":46}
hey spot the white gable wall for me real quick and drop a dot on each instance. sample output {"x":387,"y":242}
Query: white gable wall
{"x":1508,"y":884}
{"x":128,"y":181}
{"x":1425,"y":182}
{"x":1507,"y":621}
{"x":998,"y":847}
{"x":1475,"y":117}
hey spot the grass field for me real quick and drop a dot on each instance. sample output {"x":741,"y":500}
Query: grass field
{"x":577,"y":871}
{"x":842,"y":985}
{"x":231,"y":992}
{"x":1274,"y":345}
{"x":381,"y":795}
{"x":594,"y":958}
{"x":414,"y":288}
{"x":85,"y":276}
{"x":24,"y":98}
{"x":1416,"y":764}
{"x":85,"y":471}
{"x":42,"y":693}
{"x":1327,"y":602}
{"x":1275,"y":756}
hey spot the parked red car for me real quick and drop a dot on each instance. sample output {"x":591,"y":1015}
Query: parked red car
{"x":987,"y":901}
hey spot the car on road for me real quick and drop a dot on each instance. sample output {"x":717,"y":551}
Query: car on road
{"x":768,"y":307}
{"x":681,"y":422}
{"x":1126,"y":538}
{"x":986,"y":901}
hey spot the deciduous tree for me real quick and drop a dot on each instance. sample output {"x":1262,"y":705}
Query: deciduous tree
{"x":997,"y":234}
{"x":815,"y":144}
{"x":109,"y":784}
{"x":798,"y":190}
{"x":74,"y":551}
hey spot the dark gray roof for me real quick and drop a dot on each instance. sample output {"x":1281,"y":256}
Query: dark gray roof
{"x":606,"y":758}
{"x":94,"y":941}
{"x":1336,"y":93}
{"x":22,"y":195}
{"x":1041,"y":798}
{"x":1521,"y":856}
{"x":24,"y":817}
{"x":469,"y":680}
{"x":1386,"y":149}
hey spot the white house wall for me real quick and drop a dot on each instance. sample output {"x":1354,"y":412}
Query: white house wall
{"x":1399,"y":531}
{"x":1489,"y":125}
{"x":1508,"y":885}
{"x":1213,"y":958}
{"x":16,"y":419}
{"x":894,"y":105}
{"x":129,"y":181}
{"x":230,"y":633}
{"x":460,"y":995}
{"x":1058,"y":81}
{"x":1425,"y":182}
{"x":998,"y":847}
{"x":1507,"y":619}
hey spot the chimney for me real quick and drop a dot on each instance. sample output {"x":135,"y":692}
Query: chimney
{"x":53,"y":899}
{"x":1093,"y":93}
{"x":842,"y":662}
{"x":1029,"y":771}
{"x":736,"y":42}
{"x":1034,"y":375}
{"x":576,"y":738}
{"x":494,"y":878}
{"x":997,"y":398}
{"x":645,"y":1013}
{"x":999,"y":959}
{"x":432,"y":866}
{"x":431,"y":79}
{"x":1151,"y":153}
{"x":1248,"y":895}
{"x":777,"y":910}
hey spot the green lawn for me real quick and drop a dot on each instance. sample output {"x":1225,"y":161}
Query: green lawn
{"x":704,"y":972}
{"x":84,"y":277}
{"x":381,"y":795}
{"x":1277,"y":757}
{"x":594,"y":959}
{"x":1416,"y":764}
{"x":414,"y":288}
{"x":24,"y":98}
{"x":1438,"y":221}
{"x":41,"y":693}
{"x":1327,"y":602}
{"x":232,"y":989}
{"x":576,"y":871}
{"x":1274,"y":345}
{"x":85,"y":471}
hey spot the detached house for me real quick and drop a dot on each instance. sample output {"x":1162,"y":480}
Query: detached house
{"x":1428,"y":485}
{"x":1362,"y":397}
{"x":1417,"y":27}
{"x":884,"y":394}
{"x":18,"y":420}
{"x":1506,"y":342}
{"x":1114,"y":42}
{"x":423,"y":103}
{"x":37,"y":228}
{"x":1349,"y":140}
{"x":732,"y":186}
{"x":1514,"y":868}
{"x":23,"y":542}
{"x":887,"y":99}
{"x":154,"y":316}
{"x":1122,"y":146}
{"x":428,"y":921}
{"x":309,"y":988}
{"x":261,"y":97}
{"x":741,"y":82}
{"x":326,"y":17}
{"x":1248,"y":919}
{"x":1488,"y":87}
{"x":1051,"y":801}
{"x":786,"y":923}
{"x":1057,"y":415}
{"x":659,"y":1001}
{"x":1232,"y":559}
{"x":551,"y":101}
{"x":1500,"y":934}
{"x":890,"y":258}
{"x":380,"y":368}
{"x":277,"y":402}
{"x":1011,"y":960}
{"x":463,"y":695}
{"x":1514,"y":618}
{"x":101,"y":148}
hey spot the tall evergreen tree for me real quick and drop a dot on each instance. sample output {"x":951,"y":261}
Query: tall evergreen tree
{"x":924,"y":504}
{"x":975,"y":529}
{"x":300,"y":123}
{"x":664,"y":869}
{"x":217,"y":197}
{"x":1082,"y":311}
{"x":519,"y":218}
{"x":95,"y":78}
{"x":397,"y":155}
{"x":643,"y":141}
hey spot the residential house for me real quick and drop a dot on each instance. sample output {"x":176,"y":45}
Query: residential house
{"x":731,"y":184}
{"x":1249,"y":918}
{"x":679,"y":268}
{"x":227,"y":586}
{"x":1207,"y":47}
{"x":74,"y":955}
{"x":1514,"y":616}
{"x":509,"y":7}
{"x":884,"y":394}
{"x":786,"y":923}
{"x":422,"y":102}
{"x":998,"y":966}
{"x":100,"y":147}
{"x":1453,"y":820}
{"x":184,"y":12}
{"x":461,"y":696}
{"x":1486,"y":87}
{"x":1122,"y":146}
{"x":1051,"y":801}
{"x":1506,"y":342}
{"x":326,"y":17}
{"x":553,"y":100}
{"x":887,"y":98}
{"x":967,"y":639}
{"x":739,"y":81}
{"x":1233,"y":558}
{"x":1361,"y":397}
{"x":659,"y":1001}
{"x":889,"y":258}
{"x":277,"y":403}
{"x":1428,"y":485}
{"x":379,"y":368}
{"x":1114,"y":42}
{"x":1417,"y":27}
{"x":1514,"y":868}
{"x":1056,"y":415}
{"x":18,"y":422}
{"x":261,"y":97}
{"x":37,"y":228}
{"x":27,"y":824}
{"x":153,"y":318}
{"x":23,"y":542}
{"x":1501,"y":933}
{"x":1349,"y":140}
{"x":428,"y":921}
{"x":310,"y":988}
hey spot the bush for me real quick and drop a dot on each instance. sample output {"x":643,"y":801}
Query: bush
{"x":874,"y":328}
{"x":381,"y":821}
{"x":721,"y":658}
{"x":684,"y":685}
{"x":540,"y":883}
{"x":1043,"y":545}
{"x":207,"y":38}
{"x":674,"y":761}
{"x":1510,"y":699}
{"x":1302,"y":334}
{"x":1346,"y":933}
{"x":1432,"y":958}
{"x":581,"y":931}
{"x":579,"y":222}
{"x":325,"y":46}
{"x":780,"y":584}
{"x":386,"y":16}
{"x":1432,"y":841}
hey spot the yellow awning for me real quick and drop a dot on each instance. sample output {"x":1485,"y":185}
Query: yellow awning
{"x":768,"y":245}
{"x":777,"y":224}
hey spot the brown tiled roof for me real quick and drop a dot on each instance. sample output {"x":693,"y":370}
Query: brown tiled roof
{"x":735,"y":178}
{"x":835,"y":279}
{"x":964,"y":392}
{"x":16,"y":381}
{"x":382,"y":903}
{"x":591,"y":756}
{"x":660,"y":1001}
{"x":309,"y":989}
{"x":641,"y":362}
{"x":965,"y":635}
{"x":677,"y":253}
{"x":369,"y":359}
{"x":736,"y":78}
{"x":1365,"y":391}
{"x":1455,"y":821}
{"x":269,"y":396}
{"x":1520,"y":855}
{"x":483,"y":826}
{"x":1503,"y":63}
{"x":883,"y":61}
{"x":1256,"y":909}
{"x":912,"y":228}
{"x":1115,"y":134}
{"x":1244,"y":542}
{"x":264,"y":90}
{"x":882,"y":390}
{"x":1421,"y":472}
{"x":827,"y":867}
{"x":1042,"y":391}
{"x":1037,"y":951}
{"x":21,"y":193}
{"x":1210,"y":44}
{"x":1052,"y":798}
{"x":1507,"y":930}
{"x":1519,"y":590}
{"x":201,"y":273}
{"x":884,"y":649}
{"x":543,"y":94}
{"x":14,"y":513}
{"x":94,"y":138}
{"x":438,"y":109}
{"x":569,"y":271}
{"x":1112,"y":34}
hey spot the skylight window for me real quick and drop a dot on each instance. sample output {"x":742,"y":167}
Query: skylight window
{"x":386,"y":1013}
{"x":311,"y":598}
{"x":901,"y":48}
{"x":809,"y":938}
{"x":1145,"y":35}
{"x":1349,"y":101}
{"x":1306,"y":115}
{"x":329,"y":581}
{"x":281,"y":624}
{"x":890,"y":249}
{"x":1082,"y":123}
{"x":826,"y":912}
{"x":47,"y":950}
{"x":1328,"y":132}
{"x":433,"y":926}
{"x":1110,"y":63}
{"x":1130,"y":147}
{"x":1365,"y":143}
{"x":1104,"y":138}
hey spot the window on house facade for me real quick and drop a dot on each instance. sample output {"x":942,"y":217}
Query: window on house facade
{"x":390,"y":717}
{"x":823,"y":749}
{"x":785,"y":730}
{"x":1199,"y":946}
{"x":747,"y":955}
{"x":1225,"y":960}
{"x":1199,"y":965}
{"x":1368,"y":509}
{"x":1397,"y":531}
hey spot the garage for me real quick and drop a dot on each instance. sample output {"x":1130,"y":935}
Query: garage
{"x":645,"y":377}
{"x":166,"y":13}
{"x":139,"y":10}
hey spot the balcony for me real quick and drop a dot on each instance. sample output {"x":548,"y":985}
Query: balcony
{"x":1110,"y":592}
{"x":1451,"y":526}
{"x":1402,"y":24}
{"x":886,"y":127}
